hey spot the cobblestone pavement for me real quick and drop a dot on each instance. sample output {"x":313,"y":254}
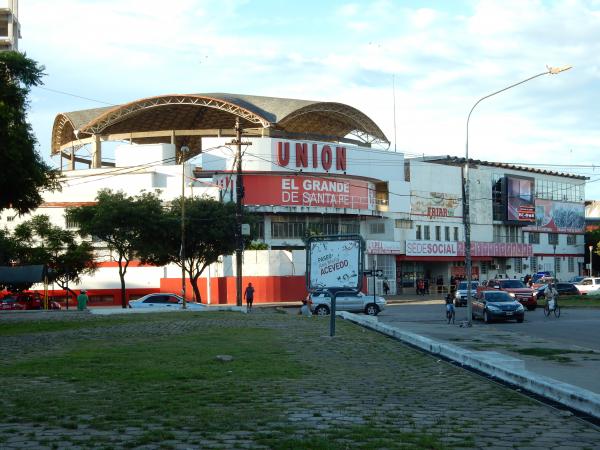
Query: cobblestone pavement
{"x":358,"y":380}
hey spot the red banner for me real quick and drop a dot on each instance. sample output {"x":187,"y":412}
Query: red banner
{"x":299,"y":190}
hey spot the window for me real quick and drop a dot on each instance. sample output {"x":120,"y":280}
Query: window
{"x":498,"y":200}
{"x":456,"y":233}
{"x":571,"y":240}
{"x":571,"y":263}
{"x":534,"y":238}
{"x":438,"y":233}
{"x":403,"y":223}
{"x":377,"y":228}
{"x":427,"y":234}
{"x":419,"y":234}
{"x":534,"y":264}
{"x":485,"y":267}
{"x":557,"y":265}
{"x":283,"y":227}
{"x":447,"y":233}
{"x":553,"y":238}
{"x":70,"y":223}
{"x":518,"y":265}
{"x":257,"y":229}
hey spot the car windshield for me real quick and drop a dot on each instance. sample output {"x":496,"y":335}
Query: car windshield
{"x":511,"y":284}
{"x":498,"y":297}
{"x":463,"y":285}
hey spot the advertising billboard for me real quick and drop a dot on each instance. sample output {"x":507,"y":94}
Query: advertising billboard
{"x":558,"y":217}
{"x":334,"y":262}
{"x":434,"y":204}
{"x":520,"y":199}
{"x":303,"y":190}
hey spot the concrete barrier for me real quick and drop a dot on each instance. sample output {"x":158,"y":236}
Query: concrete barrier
{"x":503,"y":367}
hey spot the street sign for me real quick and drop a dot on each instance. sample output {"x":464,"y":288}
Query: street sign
{"x":379,"y":273}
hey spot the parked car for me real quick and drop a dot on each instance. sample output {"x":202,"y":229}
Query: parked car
{"x":352,"y":302}
{"x":516,"y":288}
{"x":589,"y":285}
{"x":497,"y":305}
{"x":29,"y":300}
{"x":460,"y":296}
{"x":164,"y":301}
{"x":562,"y":288}
{"x":10,"y":304}
{"x":543,"y":281}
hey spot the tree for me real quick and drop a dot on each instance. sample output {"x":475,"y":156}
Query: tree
{"x":24,"y":171}
{"x":58,"y":249}
{"x":209,"y":233}
{"x":131,"y":227}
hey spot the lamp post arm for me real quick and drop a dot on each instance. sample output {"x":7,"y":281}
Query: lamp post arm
{"x":494,"y":93}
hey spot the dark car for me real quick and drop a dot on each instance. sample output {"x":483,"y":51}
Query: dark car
{"x":497,"y":305}
{"x":10,"y":304}
{"x":562,"y":288}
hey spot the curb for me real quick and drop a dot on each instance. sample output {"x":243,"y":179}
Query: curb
{"x":506,"y":368}
{"x":111,"y":311}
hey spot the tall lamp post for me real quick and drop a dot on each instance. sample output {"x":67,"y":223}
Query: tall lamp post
{"x":591,"y":247}
{"x":466,"y":218}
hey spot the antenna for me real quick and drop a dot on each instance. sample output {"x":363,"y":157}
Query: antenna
{"x":394,"y":98}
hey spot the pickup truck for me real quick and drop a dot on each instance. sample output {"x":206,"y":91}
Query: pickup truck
{"x":516,"y":288}
{"x":590,"y":285}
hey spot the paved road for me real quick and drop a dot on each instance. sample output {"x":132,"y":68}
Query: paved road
{"x":574,"y":338}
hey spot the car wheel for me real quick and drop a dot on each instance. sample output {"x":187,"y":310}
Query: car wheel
{"x":322,"y":310}
{"x":520,"y":320}
{"x":372,"y":309}
{"x":486,"y":317}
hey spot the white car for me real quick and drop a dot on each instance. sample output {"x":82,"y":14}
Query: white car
{"x":589,"y":285}
{"x":164,"y":301}
{"x":351,"y":302}
{"x":460,"y":296}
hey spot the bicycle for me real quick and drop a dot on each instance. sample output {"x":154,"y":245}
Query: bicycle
{"x":555,"y":308}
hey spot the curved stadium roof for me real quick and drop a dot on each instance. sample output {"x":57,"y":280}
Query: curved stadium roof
{"x":148,"y":120}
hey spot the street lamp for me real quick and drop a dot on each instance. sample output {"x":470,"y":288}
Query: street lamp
{"x":466,"y":219}
{"x":591,"y":247}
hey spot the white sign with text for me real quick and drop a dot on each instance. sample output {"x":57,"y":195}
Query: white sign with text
{"x":335,"y":264}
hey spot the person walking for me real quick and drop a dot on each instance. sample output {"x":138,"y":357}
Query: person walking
{"x":386,"y":287}
{"x":249,"y":297}
{"x":82,"y":300}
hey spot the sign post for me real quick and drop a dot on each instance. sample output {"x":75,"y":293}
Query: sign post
{"x":334,"y":264}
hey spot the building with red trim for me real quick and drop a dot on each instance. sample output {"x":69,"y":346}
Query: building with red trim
{"x":312,"y":168}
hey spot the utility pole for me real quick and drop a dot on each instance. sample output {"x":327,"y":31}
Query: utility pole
{"x":184,"y":150}
{"x":239,"y":189}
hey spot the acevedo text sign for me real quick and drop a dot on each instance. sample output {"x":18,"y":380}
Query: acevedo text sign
{"x":335,"y":263}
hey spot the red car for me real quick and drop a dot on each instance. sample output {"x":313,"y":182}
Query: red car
{"x":26,"y":300}
{"x":516,"y":288}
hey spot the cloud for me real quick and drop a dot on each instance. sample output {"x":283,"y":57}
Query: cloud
{"x":443,"y":58}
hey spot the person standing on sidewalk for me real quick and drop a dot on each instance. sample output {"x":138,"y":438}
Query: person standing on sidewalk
{"x":82,"y":300}
{"x":249,"y":296}
{"x":386,"y":287}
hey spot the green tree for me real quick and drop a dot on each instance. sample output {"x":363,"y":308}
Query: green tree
{"x":25,"y":174}
{"x":130,"y":226}
{"x":209,"y":233}
{"x":67,"y":260}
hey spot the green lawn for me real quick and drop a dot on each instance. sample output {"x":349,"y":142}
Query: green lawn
{"x":158,"y":374}
{"x":576,"y":301}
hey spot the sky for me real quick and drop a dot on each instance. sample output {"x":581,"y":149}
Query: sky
{"x":433,"y":60}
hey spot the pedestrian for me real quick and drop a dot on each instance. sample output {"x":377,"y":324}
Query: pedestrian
{"x":551,"y":295}
{"x":82,"y":300}
{"x":249,"y":296}
{"x":526,"y":279}
{"x":386,"y":287}
{"x":306,"y":307}
{"x":452,"y":284}
{"x":420,"y":286}
{"x":426,"y":286}
{"x":440,"y":284}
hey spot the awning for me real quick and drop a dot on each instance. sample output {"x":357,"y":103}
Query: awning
{"x":22,"y":274}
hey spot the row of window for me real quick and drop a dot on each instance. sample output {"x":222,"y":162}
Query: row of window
{"x":423,"y":232}
{"x":297,"y":227}
{"x":519,"y":267}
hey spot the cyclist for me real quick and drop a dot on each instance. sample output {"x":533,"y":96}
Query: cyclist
{"x":450,"y":308}
{"x":551,"y":295}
